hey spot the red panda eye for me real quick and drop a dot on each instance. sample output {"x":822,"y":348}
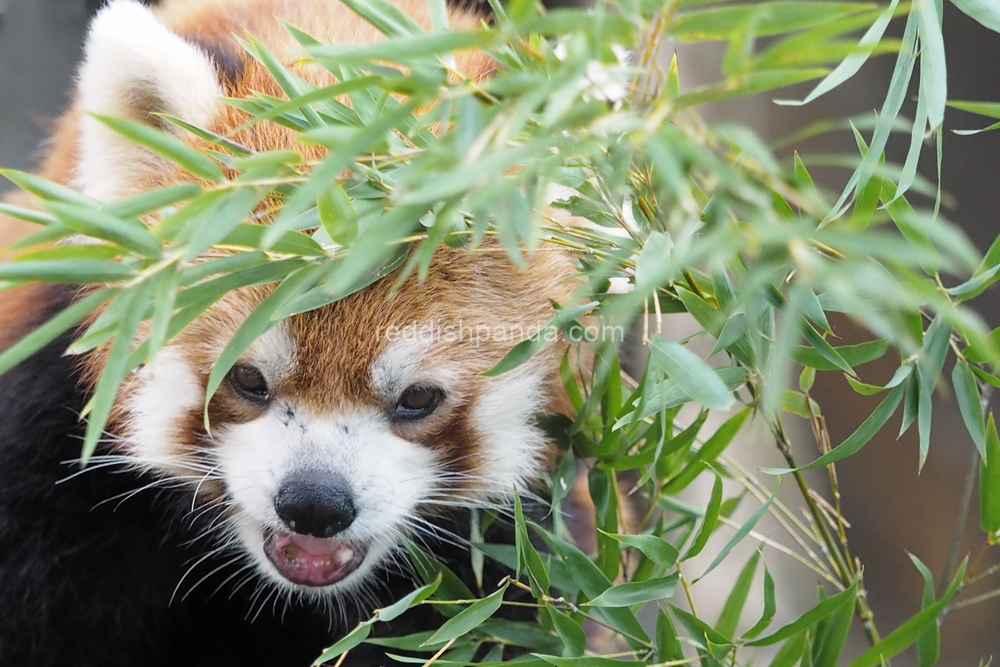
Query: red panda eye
{"x":418,"y":402}
{"x":249,"y":382}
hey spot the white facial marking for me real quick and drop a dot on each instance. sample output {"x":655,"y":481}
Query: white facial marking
{"x":168,"y":390}
{"x":511,"y":443}
{"x":134,"y":66}
{"x":404,"y":363}
{"x":388,"y":476}
{"x":273,"y":353}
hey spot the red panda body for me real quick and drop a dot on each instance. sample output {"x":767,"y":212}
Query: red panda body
{"x":340,"y":433}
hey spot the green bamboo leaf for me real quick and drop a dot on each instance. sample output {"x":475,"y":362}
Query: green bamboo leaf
{"x":929,"y":367}
{"x":585,"y":661}
{"x":529,"y":634}
{"x":167,"y":145}
{"x":46,"y":190}
{"x":970,"y":404}
{"x":593,"y":582}
{"x":77,"y":271}
{"x":672,"y":86}
{"x":388,"y":18}
{"x":985,"y":12}
{"x":852,"y":355}
{"x":132,"y":235}
{"x":692,"y":374}
{"x":349,"y":641}
{"x":802,"y":173}
{"x":210,"y":137}
{"x":911,"y":630}
{"x":898,"y":84}
{"x":526,"y":553}
{"x":767,"y":615}
{"x":749,"y":83}
{"x":933,"y":73}
{"x":825,"y":609}
{"x":337,"y":214}
{"x":986,"y":352}
{"x":519,"y":354}
{"x":769,"y":18}
{"x":975,"y":285}
{"x":708,"y":452}
{"x":929,"y":644}
{"x":654,"y":547}
{"x":668,"y":394}
{"x":854,"y":442}
{"x":403,"y":48}
{"x":290,"y":83}
{"x":702,"y":633}
{"x":396,"y":609}
{"x":729,"y":617}
{"x":290,"y":243}
{"x":115,"y":366}
{"x":853,"y":62}
{"x":637,"y":592}
{"x":469,"y":619}
{"x":824,"y":348}
{"x":710,"y":520}
{"x":570,"y":632}
{"x":219,"y":220}
{"x":742,"y":532}
{"x":828,"y":646}
{"x":792,"y":650}
{"x":668,"y":645}
{"x":901,"y":374}
{"x":989,"y":484}
{"x":154,"y":200}
{"x":28,"y":215}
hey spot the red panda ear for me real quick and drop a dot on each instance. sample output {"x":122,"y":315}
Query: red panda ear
{"x":134,"y":67}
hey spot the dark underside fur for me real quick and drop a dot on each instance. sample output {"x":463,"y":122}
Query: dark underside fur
{"x":88,"y":582}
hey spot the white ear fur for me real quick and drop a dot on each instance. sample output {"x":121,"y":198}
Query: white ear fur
{"x":134,"y":67}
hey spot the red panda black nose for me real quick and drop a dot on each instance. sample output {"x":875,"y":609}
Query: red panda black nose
{"x":315,"y":503}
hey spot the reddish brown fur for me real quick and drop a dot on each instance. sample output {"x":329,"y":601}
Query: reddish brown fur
{"x":335,"y":344}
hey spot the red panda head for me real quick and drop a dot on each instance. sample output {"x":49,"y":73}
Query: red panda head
{"x":340,"y":430}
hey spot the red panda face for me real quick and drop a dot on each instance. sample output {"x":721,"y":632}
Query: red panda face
{"x":341,"y":431}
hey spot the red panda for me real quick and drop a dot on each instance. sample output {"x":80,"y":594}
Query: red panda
{"x":338,"y":434}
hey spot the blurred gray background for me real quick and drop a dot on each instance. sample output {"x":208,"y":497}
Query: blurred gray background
{"x":892,"y":510}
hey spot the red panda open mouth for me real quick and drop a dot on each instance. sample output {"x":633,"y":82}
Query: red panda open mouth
{"x":312,"y":561}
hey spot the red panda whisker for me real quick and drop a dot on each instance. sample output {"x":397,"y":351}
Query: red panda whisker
{"x":223,"y":566}
{"x":212,"y":552}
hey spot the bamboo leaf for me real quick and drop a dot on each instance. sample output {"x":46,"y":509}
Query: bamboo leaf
{"x":911,"y":630}
{"x":825,"y":609}
{"x":989,"y":484}
{"x":742,"y":532}
{"x":191,"y":159}
{"x":637,"y":592}
{"x":693,"y":376}
{"x":729,"y":617}
{"x":708,"y":452}
{"x":468,"y":619}
{"x":929,"y":644}
{"x":854,"y":442}
{"x":770,"y":607}
{"x":985,"y":12}
{"x":970,"y":404}
{"x":710,"y":520}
